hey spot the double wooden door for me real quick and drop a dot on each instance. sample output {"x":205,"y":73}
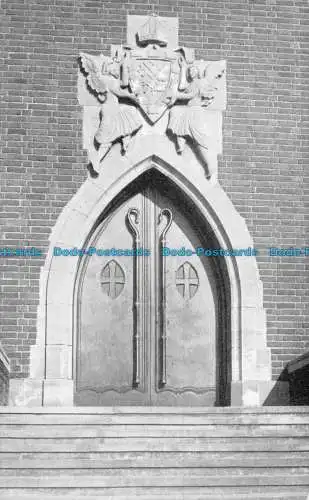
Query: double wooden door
{"x":147,"y":323}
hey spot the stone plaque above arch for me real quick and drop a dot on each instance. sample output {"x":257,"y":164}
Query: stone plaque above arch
{"x":150,"y":85}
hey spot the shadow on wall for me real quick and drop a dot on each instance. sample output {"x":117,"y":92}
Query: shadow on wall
{"x":4,"y":377}
{"x":296,"y":374}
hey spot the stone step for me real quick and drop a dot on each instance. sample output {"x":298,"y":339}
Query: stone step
{"x":175,"y":444}
{"x":154,"y":418}
{"x":178,"y":493}
{"x":153,"y":460}
{"x":154,"y":410}
{"x":151,"y":453}
{"x":153,"y":430}
{"x":167,"y":477}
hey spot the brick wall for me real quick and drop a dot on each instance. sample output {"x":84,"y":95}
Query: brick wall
{"x":262,"y":168}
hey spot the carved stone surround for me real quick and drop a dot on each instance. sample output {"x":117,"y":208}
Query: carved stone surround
{"x":51,"y":381}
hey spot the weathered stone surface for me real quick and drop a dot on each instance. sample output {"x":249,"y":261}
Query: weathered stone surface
{"x":26,"y":392}
{"x":97,"y":455}
{"x":58,"y":392}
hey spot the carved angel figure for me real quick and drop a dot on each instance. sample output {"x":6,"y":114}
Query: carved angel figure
{"x":198,"y":86}
{"x":116,"y":122}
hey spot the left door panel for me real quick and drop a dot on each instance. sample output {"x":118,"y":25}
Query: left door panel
{"x":107,"y":360}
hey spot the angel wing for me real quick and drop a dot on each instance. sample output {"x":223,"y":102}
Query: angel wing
{"x":96,"y":69}
{"x":212,"y":73}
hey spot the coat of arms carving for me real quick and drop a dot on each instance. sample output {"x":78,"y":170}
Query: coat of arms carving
{"x":151,"y":81}
{"x":140,"y":81}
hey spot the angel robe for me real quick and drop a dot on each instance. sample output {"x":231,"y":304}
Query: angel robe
{"x":191,"y":120}
{"x":116,"y":121}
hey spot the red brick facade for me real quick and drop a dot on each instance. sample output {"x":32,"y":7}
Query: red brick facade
{"x":264,"y":155}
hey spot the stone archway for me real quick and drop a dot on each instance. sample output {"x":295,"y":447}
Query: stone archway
{"x":51,"y":372}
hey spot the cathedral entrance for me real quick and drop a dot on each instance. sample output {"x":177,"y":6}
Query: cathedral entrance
{"x":151,"y":315}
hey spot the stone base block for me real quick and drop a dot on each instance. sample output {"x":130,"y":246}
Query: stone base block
{"x":26,"y":392}
{"x":260,"y":393}
{"x":33,"y":392}
{"x":58,"y":392}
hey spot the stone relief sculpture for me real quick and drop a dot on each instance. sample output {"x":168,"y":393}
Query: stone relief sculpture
{"x":103,"y":77}
{"x":145,"y":78}
{"x":197,"y":89}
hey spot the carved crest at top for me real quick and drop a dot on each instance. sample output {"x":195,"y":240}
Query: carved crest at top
{"x":152,"y":32}
{"x":144,"y":78}
{"x":154,"y":73}
{"x":148,"y":69}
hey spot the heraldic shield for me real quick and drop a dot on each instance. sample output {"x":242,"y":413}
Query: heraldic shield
{"x":152,"y":80}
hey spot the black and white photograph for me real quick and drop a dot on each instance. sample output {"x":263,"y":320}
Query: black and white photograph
{"x":154,"y":254}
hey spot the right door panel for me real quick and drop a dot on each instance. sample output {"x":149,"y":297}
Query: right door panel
{"x":186,"y":326}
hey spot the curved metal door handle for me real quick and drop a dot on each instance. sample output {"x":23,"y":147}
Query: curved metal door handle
{"x":133,"y":218}
{"x":162,"y":299}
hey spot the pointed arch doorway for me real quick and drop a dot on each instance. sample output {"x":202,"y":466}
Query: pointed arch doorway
{"x":152,"y":328}
{"x":243,"y":360}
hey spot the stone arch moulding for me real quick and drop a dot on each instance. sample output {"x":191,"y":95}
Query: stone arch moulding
{"x":51,"y":370}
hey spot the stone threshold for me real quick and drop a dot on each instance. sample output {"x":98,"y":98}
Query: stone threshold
{"x":114,"y":410}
